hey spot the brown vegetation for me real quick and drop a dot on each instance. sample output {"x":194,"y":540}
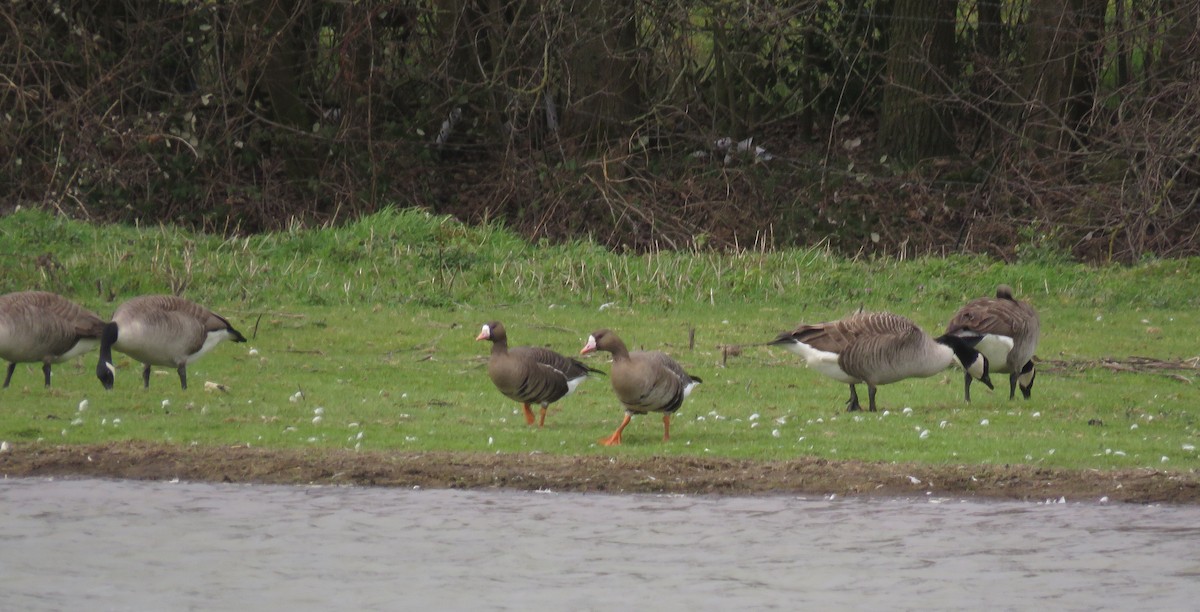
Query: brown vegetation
{"x":593,"y":473}
{"x":1024,"y":128}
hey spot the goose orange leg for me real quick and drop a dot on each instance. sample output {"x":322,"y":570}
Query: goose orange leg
{"x":615,"y":438}
{"x":528,"y":415}
{"x":666,"y":426}
{"x":542,"y":419}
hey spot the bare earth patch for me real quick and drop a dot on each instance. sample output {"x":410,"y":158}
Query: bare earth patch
{"x":609,"y":474}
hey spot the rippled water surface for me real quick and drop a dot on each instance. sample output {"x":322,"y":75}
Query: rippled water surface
{"x":116,"y":545}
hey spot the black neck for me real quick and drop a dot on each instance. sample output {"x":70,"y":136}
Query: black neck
{"x":964,"y":348}
{"x":107,"y":339}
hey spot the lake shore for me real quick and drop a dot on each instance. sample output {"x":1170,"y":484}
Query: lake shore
{"x":592,"y":473}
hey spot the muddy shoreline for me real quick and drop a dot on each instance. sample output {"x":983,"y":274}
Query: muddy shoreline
{"x":591,"y":473}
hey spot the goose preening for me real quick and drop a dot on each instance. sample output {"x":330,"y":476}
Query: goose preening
{"x":38,"y":326}
{"x":162,"y":330}
{"x":531,"y":374}
{"x":877,"y":348}
{"x":1010,"y":330}
{"x":645,"y":382}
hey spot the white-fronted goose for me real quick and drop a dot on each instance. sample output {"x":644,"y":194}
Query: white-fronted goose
{"x":531,"y":374}
{"x":37,"y":326}
{"x":1010,"y":336}
{"x":878,"y":348}
{"x":162,"y":330}
{"x":644,"y":381}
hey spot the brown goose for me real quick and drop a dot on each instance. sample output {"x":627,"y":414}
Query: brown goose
{"x":644,"y":381}
{"x":531,"y":374}
{"x":162,"y":330}
{"x":1010,"y":336}
{"x":40,"y":326}
{"x":878,"y":348}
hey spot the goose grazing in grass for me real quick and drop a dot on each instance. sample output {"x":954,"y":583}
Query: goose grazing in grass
{"x":1010,"y":332}
{"x":878,"y":348}
{"x":531,"y":374}
{"x":37,"y":326}
{"x":162,"y":330}
{"x":644,"y":381}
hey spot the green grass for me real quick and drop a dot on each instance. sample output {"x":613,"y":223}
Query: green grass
{"x":374,"y":325}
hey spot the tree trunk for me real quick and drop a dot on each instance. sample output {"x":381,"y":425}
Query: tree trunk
{"x":603,"y":65}
{"x":1061,"y":70}
{"x":991,"y":25}
{"x":987,"y":85}
{"x":276,"y":69}
{"x":1180,"y":42}
{"x":914,"y":124}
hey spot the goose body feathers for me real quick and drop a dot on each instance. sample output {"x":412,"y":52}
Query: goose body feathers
{"x":38,"y":326}
{"x":162,"y":330}
{"x":644,"y":381}
{"x":878,"y":348}
{"x":531,"y":374}
{"x":1010,"y":330}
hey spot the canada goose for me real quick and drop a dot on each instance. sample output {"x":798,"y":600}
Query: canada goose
{"x":878,"y":348}
{"x":531,"y":374}
{"x":644,"y":381}
{"x":162,"y":330}
{"x":47,"y":327}
{"x":1010,"y":336}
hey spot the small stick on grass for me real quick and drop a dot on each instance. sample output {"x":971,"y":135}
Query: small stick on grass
{"x":729,"y":350}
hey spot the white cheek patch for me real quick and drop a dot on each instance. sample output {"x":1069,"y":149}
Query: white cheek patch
{"x":485,"y":332}
{"x":1025,"y":379}
{"x":976,"y":369}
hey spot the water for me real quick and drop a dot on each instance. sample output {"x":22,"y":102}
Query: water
{"x":117,"y":545}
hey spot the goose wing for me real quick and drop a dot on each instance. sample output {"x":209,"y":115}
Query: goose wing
{"x":885,"y":356}
{"x":539,"y":375}
{"x":837,"y":336}
{"x":651,"y":382}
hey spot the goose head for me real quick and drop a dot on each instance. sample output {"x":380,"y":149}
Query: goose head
{"x":492,"y":331}
{"x":1025,"y":378}
{"x":601,"y":340}
{"x":972,"y":361}
{"x":105,"y":370}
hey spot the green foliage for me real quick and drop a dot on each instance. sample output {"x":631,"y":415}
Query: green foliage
{"x":401,"y":256}
{"x":1039,"y":245}
{"x":370,"y":327}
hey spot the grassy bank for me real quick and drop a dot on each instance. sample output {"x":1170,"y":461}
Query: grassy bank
{"x":362,"y":337}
